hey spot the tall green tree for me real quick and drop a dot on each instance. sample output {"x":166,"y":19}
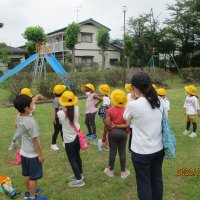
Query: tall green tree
{"x":35,"y":36}
{"x":184,"y":27}
{"x":129,"y":48}
{"x":145,"y":32}
{"x":103,"y":38}
{"x":4,"y":54}
{"x":71,"y":39}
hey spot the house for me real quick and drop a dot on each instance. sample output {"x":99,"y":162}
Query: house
{"x":16,"y":56}
{"x":86,"y":50}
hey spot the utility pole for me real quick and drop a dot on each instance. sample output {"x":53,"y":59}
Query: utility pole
{"x":77,"y":13}
{"x":124,"y":10}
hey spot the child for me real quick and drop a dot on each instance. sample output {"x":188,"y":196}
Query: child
{"x":130,"y":99}
{"x":117,"y":136}
{"x":105,"y":90}
{"x":91,"y":110}
{"x":31,"y":154}
{"x":57,"y":91}
{"x":17,"y":134}
{"x":166,"y":104}
{"x":192,"y":110}
{"x":68,"y":117}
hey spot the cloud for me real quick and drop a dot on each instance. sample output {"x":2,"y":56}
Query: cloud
{"x":51,"y":15}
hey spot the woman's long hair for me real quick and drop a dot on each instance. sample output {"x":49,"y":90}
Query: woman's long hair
{"x":142,"y":82}
{"x":70,"y":113}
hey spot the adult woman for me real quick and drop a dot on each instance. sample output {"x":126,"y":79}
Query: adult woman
{"x":69,"y":117}
{"x":146,"y":145}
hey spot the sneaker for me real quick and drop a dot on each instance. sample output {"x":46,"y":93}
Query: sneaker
{"x":41,"y":198}
{"x":12,"y":146}
{"x":125,"y":174}
{"x":72,"y":177}
{"x":186,"y":132}
{"x":109,"y":172}
{"x":27,"y":194}
{"x":192,"y":135}
{"x":93,"y":137}
{"x":76,"y":183}
{"x":54,"y":147}
{"x":88,"y":134}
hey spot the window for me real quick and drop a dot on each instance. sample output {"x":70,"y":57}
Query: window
{"x":113,"y":61}
{"x":87,"y":60}
{"x":86,"y":37}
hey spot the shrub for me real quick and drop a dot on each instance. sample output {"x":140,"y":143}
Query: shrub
{"x":190,"y":74}
{"x":18,"y":81}
{"x":45,"y":87}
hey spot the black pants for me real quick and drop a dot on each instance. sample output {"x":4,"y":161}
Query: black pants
{"x":148,"y":169}
{"x":117,"y":141}
{"x":73,"y":153}
{"x":130,"y":140}
{"x":90,"y":123}
{"x":57,"y":129}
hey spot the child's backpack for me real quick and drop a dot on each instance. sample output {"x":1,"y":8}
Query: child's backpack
{"x":17,"y":160}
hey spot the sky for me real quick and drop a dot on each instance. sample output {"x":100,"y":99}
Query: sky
{"x":17,"y":15}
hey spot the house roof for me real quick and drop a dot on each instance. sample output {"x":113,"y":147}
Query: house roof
{"x":85,"y":22}
{"x":15,"y":50}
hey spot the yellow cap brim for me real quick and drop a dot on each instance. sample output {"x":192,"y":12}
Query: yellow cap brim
{"x":64,"y":103}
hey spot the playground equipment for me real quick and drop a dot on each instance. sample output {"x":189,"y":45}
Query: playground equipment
{"x":39,"y":66}
{"x":169,"y":61}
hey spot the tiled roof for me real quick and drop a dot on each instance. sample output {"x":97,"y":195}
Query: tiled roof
{"x":15,"y":50}
{"x":88,"y":21}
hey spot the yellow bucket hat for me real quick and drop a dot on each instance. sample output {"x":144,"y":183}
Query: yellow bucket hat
{"x":161,"y":91}
{"x":104,"y":89}
{"x":119,"y":98}
{"x":89,"y":85}
{"x":128,"y":87}
{"x":191,"y":89}
{"x":59,"y":89}
{"x":26,"y":91}
{"x":68,"y":99}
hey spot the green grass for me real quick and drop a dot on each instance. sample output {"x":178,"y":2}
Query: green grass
{"x":99,"y":186}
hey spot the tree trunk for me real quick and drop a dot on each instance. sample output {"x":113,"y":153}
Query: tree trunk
{"x":128,"y":62}
{"x":73,"y":59}
{"x":103,"y":61}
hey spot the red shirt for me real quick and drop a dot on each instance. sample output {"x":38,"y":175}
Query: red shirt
{"x":116,"y":115}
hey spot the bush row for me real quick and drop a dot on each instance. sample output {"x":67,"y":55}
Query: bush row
{"x":190,"y":74}
{"x":113,"y":77}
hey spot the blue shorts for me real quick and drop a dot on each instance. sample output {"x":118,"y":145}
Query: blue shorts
{"x":31,"y":167}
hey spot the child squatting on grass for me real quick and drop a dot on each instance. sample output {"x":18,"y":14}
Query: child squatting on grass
{"x":192,"y":110}
{"x":93,"y":100}
{"x":17,"y":134}
{"x":31,"y":154}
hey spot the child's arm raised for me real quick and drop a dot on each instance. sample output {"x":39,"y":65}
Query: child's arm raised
{"x":98,"y":98}
{"x":38,"y":149}
{"x":38,"y":97}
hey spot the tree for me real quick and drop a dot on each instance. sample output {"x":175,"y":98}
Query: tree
{"x":129,"y":48}
{"x":4,"y":54}
{"x":71,"y":39}
{"x":184,"y":27}
{"x":145,"y":32}
{"x":103,"y":39}
{"x":35,"y":36}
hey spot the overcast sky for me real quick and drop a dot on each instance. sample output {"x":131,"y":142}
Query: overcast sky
{"x":55,"y":14}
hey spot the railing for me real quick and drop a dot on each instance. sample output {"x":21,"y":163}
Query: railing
{"x":49,"y":48}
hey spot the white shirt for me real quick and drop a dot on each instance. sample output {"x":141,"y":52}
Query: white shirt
{"x":146,"y":126}
{"x":191,"y":105}
{"x":166,"y":105}
{"x":106,"y":101}
{"x":129,"y":97}
{"x":69,"y":133}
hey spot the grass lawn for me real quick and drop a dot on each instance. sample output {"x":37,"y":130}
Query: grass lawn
{"x":98,"y":185}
